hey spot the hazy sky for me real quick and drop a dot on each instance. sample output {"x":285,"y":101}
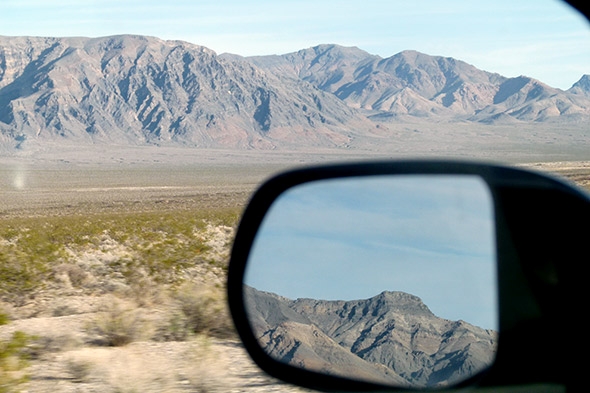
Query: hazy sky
{"x":429,"y":236}
{"x":543,"y":39}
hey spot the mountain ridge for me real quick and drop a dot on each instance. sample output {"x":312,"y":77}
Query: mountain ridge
{"x":138,"y":90}
{"x":394,"y":337}
{"x":142,"y":90}
{"x":441,"y":86}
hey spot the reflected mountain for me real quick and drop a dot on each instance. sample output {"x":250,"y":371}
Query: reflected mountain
{"x":392,"y":338}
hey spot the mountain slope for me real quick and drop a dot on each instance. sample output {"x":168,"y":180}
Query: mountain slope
{"x":288,"y":335}
{"x":528,"y":99}
{"x":397,"y":337}
{"x":582,"y":86}
{"x":142,"y":90}
{"x":135,"y":90}
{"x":415,"y":84}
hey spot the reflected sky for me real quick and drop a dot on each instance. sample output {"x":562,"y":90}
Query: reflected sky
{"x":345,"y":239}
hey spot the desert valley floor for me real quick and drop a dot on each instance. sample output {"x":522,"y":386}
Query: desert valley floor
{"x":70,"y":359}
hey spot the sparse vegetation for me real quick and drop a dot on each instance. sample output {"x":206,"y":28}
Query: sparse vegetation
{"x":199,"y":309}
{"x":108,"y":277}
{"x":79,"y":369}
{"x":159,"y":246}
{"x":118,"y":325}
{"x":156,"y":276}
{"x":13,"y":360}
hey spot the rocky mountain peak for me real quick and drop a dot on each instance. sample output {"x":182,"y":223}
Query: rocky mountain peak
{"x":582,"y":86}
{"x":401,"y":302}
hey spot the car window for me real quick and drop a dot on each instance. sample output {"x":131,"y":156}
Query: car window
{"x":133,"y":133}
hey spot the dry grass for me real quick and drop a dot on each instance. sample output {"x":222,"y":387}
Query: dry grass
{"x":14,"y":360}
{"x":124,"y":278}
{"x":93,"y":252}
{"x":201,"y":309}
{"x":120,"y":324}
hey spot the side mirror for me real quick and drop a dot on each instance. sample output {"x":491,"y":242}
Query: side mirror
{"x":409,"y":275}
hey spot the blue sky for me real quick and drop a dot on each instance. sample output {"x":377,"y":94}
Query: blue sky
{"x":429,"y":236}
{"x":543,"y":39}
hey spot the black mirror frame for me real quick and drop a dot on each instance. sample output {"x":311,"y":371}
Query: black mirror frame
{"x":522,"y":303}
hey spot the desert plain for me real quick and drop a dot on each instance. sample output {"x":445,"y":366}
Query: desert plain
{"x":96,"y":287}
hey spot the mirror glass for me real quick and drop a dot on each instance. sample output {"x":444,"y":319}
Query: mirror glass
{"x":387,"y":279}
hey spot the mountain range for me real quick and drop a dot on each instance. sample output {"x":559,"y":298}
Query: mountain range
{"x":138,"y":90}
{"x":414,"y":84}
{"x":391,"y":338}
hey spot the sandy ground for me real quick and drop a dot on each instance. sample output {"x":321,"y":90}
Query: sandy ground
{"x":67,"y":354}
{"x":68,"y":363}
{"x":136,"y":179}
{"x":46,"y":186}
{"x":197,"y":365}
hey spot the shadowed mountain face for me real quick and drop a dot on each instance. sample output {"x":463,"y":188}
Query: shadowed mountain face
{"x":140,"y":90}
{"x":392,"y":338}
{"x":582,"y":86}
{"x":137,"y":90}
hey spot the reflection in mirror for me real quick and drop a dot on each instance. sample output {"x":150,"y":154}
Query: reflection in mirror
{"x":387,"y":279}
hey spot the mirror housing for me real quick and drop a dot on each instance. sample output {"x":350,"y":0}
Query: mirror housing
{"x":541,"y":230}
